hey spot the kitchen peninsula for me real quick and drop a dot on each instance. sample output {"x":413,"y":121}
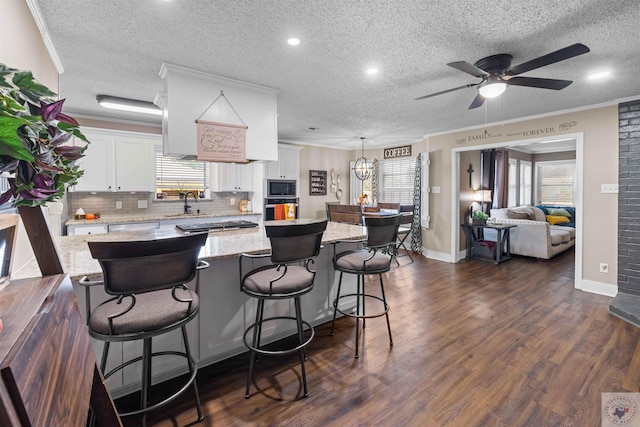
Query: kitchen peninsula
{"x":225,"y":312}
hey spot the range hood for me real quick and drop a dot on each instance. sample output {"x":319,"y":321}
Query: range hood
{"x":189,"y":93}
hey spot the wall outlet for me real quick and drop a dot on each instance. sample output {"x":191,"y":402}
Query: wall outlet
{"x":232,"y":202}
{"x":142,"y":204}
{"x":604,"y":268}
{"x":119,"y":204}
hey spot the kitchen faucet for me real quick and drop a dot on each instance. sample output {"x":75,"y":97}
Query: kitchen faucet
{"x":186,"y":196}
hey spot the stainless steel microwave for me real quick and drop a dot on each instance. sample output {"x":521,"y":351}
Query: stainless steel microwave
{"x":281,"y":188}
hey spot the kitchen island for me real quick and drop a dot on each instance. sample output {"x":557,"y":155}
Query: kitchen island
{"x":225,"y":312}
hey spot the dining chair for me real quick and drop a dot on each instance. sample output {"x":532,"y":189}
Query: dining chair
{"x":389,"y":206}
{"x":350,"y":214}
{"x":404,"y":231}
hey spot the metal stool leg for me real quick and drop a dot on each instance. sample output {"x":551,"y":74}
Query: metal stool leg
{"x":384,"y":300}
{"x":187,"y":350}
{"x":105,"y":354}
{"x":255,"y":343}
{"x":302,"y":352}
{"x":358,"y":293}
{"x":146,"y":378}
{"x":335,"y":304}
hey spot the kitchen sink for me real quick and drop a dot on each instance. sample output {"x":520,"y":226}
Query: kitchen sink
{"x":189,"y":215}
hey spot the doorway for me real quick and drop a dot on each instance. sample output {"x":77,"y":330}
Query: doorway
{"x":456,"y":255}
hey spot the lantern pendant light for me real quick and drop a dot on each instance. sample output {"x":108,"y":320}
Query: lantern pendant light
{"x":363,"y":168}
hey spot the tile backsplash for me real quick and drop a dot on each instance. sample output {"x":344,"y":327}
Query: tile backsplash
{"x":105,"y":203}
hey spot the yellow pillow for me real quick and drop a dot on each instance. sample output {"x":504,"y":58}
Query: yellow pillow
{"x":557,"y":219}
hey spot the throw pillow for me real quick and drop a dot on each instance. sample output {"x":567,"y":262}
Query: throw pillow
{"x":538,"y":214}
{"x":559,"y":212}
{"x":499,"y":213}
{"x":557,"y":219}
{"x":518,"y":214}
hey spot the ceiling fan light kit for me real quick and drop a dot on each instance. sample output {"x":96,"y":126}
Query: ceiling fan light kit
{"x":492,"y":88}
{"x":497,"y":73}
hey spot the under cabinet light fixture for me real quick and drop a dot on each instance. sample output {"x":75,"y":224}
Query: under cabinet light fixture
{"x":125,"y":104}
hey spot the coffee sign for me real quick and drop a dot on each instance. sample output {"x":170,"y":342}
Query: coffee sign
{"x":392,"y":153}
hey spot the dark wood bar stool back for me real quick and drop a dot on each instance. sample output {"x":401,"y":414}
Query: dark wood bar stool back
{"x":374,"y":258}
{"x":406,"y":222}
{"x":293,"y":249}
{"x":148,"y":280}
{"x":350,"y":214}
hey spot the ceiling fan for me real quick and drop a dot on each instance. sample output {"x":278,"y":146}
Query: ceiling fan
{"x":497,"y":73}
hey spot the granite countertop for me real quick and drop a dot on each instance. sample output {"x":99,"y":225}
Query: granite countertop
{"x":77,"y":260}
{"x":127,"y":218}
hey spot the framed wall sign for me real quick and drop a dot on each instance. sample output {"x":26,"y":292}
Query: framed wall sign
{"x":392,"y":153}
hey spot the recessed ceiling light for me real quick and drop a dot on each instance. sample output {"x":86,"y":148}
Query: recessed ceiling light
{"x":599,"y":75}
{"x":293,"y":41}
{"x":372,"y":71}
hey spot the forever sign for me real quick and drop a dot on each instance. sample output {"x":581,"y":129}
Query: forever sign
{"x":390,"y":153}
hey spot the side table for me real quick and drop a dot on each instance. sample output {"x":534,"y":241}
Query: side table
{"x":487,"y":250}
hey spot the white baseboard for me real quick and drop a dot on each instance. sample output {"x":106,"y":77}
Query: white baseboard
{"x":599,"y":288}
{"x":440,"y":256}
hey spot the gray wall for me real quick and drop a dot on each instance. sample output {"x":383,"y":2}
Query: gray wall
{"x":629,"y":199}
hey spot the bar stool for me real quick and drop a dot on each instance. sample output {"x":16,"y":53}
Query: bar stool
{"x":150,"y":297}
{"x":293,"y":249}
{"x":374,"y":258}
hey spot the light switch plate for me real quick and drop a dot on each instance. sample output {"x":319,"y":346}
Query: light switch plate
{"x":609,"y":188}
{"x":119,"y":204}
{"x":142,"y":204}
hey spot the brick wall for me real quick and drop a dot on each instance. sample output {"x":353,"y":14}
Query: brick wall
{"x":629,"y":199}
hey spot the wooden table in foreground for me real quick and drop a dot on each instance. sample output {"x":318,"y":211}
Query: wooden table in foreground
{"x":48,"y":369}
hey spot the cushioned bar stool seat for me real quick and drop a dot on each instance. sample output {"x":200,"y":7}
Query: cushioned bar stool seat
{"x":148,"y":280}
{"x":289,"y":276}
{"x":374,"y":258}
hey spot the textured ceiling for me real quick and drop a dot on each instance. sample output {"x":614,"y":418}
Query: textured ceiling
{"x":116,"y":47}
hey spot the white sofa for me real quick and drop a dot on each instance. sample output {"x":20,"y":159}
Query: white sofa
{"x":535,"y":238}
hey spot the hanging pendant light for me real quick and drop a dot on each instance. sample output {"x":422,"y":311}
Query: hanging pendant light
{"x":363,"y":168}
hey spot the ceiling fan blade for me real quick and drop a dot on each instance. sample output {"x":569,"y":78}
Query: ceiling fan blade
{"x":477,"y":102}
{"x":550,"y":58}
{"x":447,"y":91}
{"x":554,"y":84}
{"x":468,"y":68}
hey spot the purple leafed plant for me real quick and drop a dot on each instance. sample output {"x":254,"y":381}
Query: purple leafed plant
{"x":36,"y":154}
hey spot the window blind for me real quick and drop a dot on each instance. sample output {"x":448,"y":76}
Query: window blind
{"x":178,"y":175}
{"x":555,"y":183}
{"x":396,"y":180}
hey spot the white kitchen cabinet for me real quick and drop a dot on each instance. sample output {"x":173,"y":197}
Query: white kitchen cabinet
{"x":287,"y":166}
{"x":78,"y":230}
{"x":117,"y":161}
{"x":231,"y":177}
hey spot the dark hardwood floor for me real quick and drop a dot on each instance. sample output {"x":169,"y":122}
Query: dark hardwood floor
{"x":475,"y":344}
